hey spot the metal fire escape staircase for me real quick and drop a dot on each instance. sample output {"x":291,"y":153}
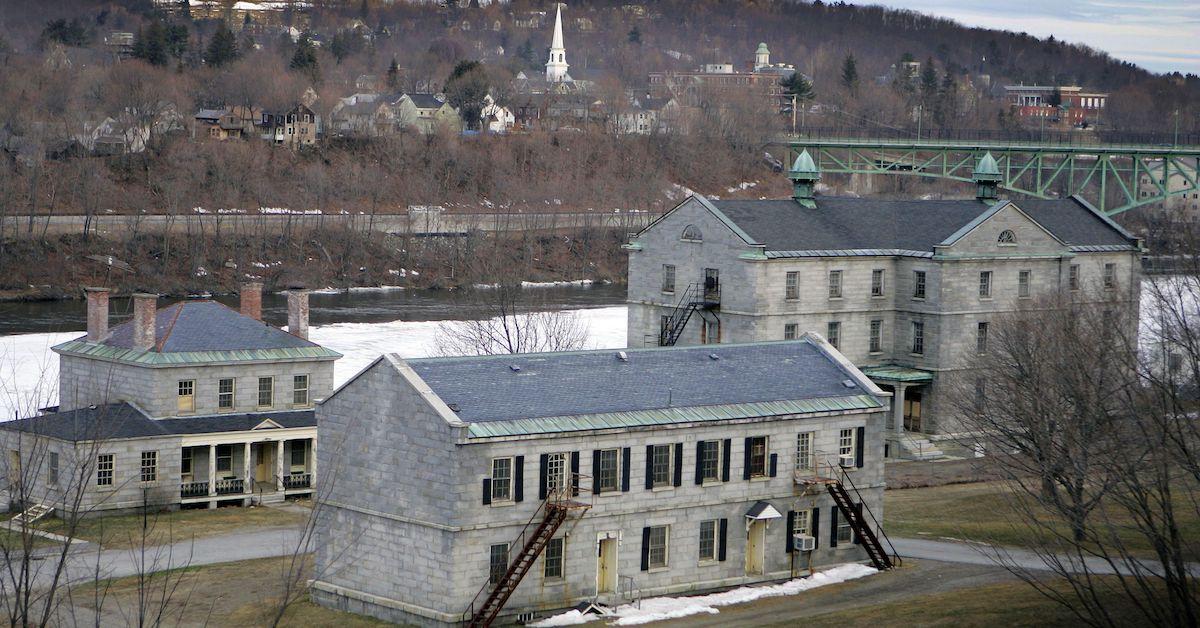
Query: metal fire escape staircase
{"x":698,"y":296}
{"x":867,"y":530}
{"x":534,"y":537}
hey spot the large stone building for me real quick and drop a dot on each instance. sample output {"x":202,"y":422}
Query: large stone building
{"x":1070,"y":104}
{"x":906,"y":289}
{"x":561,"y":478}
{"x":193,"y":404}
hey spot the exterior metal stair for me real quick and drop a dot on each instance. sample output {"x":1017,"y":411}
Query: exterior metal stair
{"x":698,"y":296}
{"x":31,"y":514}
{"x":863,"y":530}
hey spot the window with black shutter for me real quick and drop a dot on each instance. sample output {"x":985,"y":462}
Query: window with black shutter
{"x":859,"y":443}
{"x":625,"y":469}
{"x":815,"y":528}
{"x":724,"y":534}
{"x":678,"y":479}
{"x":519,"y":478}
{"x":833,"y":526}
{"x":790,"y":543}
{"x":726,"y":451}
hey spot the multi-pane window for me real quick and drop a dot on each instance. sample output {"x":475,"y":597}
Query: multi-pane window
{"x":186,"y":398}
{"x":502,"y":475}
{"x":708,"y":539}
{"x":266,"y":392}
{"x":835,"y":284}
{"x":918,"y":337}
{"x":846,"y":444}
{"x":877,"y":282}
{"x":833,"y":333}
{"x":918,"y":284}
{"x":790,"y":330}
{"x":710,"y":460}
{"x":985,"y":284}
{"x":804,"y":451}
{"x":104,"y":470}
{"x":225,"y":393}
{"x":844,"y":533}
{"x":758,"y":456}
{"x":657,"y":551}
{"x":224,"y":458}
{"x":554,"y":559}
{"x":1073,"y":277}
{"x":185,"y":463}
{"x":299,"y":454}
{"x":1110,"y":276}
{"x":791,"y":285}
{"x":606,"y":475}
{"x":876,"y":338}
{"x":497,"y":562}
{"x":52,"y":470}
{"x":801,"y":522}
{"x":981,"y":337}
{"x":300,"y":390}
{"x":668,"y":278}
{"x":1023,"y":284}
{"x":149,"y":466}
{"x":980,"y":394}
{"x":660,"y":465}
{"x":556,"y":472}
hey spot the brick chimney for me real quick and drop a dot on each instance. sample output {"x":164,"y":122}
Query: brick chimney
{"x":298,"y":312}
{"x":97,"y":314}
{"x":145,"y":306}
{"x":250,"y":299}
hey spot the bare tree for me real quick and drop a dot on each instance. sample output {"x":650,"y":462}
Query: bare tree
{"x":512,"y":322}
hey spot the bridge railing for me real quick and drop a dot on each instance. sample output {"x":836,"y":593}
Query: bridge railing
{"x":1079,"y":137}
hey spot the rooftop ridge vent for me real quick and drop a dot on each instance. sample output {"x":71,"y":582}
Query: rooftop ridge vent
{"x":622,"y":356}
{"x":713,"y":356}
{"x":849,"y":383}
{"x":514,"y":368}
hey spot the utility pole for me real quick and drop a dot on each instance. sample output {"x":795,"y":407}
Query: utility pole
{"x":1175,"y":144}
{"x":794,"y":117}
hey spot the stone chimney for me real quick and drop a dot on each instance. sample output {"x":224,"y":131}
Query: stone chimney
{"x":298,"y":312}
{"x":250,"y":299}
{"x":145,"y":306}
{"x":97,"y":314}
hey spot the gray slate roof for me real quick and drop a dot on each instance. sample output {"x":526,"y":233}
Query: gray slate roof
{"x":839,"y":223}
{"x":207,"y":326}
{"x":487,"y":388}
{"x":121,"y":420}
{"x":425,"y":101}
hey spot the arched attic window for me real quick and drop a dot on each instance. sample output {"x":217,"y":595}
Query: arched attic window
{"x":1007,"y":238}
{"x":692,"y":233}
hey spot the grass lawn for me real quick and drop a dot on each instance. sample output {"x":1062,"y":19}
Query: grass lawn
{"x":243,"y":593}
{"x":982,"y":512}
{"x":12,"y":540}
{"x":125,"y":531}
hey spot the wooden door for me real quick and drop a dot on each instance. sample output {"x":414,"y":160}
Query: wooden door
{"x":755,"y":547}
{"x":606,"y":568}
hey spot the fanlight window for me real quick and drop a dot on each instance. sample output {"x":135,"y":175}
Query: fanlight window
{"x":1007,"y":237}
{"x":692,"y":232}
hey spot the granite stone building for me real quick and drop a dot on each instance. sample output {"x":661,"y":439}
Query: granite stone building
{"x":907,"y":289}
{"x":193,"y":404}
{"x":514,"y":485}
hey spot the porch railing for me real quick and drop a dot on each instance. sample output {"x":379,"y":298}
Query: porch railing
{"x":826,"y":466}
{"x":297,"y":480}
{"x":231,"y":486}
{"x":193,"y":489}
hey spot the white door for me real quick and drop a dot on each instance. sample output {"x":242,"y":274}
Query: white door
{"x":606,"y":566}
{"x":756,"y":541}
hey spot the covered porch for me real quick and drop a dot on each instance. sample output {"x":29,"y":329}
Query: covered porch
{"x":905,"y":423}
{"x":255,"y":470}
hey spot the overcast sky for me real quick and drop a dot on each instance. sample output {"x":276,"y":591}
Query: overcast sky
{"x":1159,"y":35}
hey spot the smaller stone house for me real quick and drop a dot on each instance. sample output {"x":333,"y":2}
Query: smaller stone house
{"x":431,"y":113}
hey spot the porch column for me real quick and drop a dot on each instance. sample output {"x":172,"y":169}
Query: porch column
{"x":279,"y":465}
{"x":311,"y":456}
{"x":212,"y":469}
{"x":246,"y":468}
{"x":898,"y":408}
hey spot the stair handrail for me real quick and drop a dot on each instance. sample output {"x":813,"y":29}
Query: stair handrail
{"x":880,"y":533}
{"x":681,"y":313}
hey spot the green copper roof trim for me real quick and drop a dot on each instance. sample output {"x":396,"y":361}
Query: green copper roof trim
{"x":804,"y":167}
{"x":668,"y":416}
{"x":154,"y":358}
{"x":898,"y":374}
{"x":987,"y":169}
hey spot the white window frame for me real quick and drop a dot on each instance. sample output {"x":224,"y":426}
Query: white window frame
{"x":557,"y":474}
{"x":300,"y":394}
{"x":601,"y":487}
{"x":791,"y":331}
{"x":106,"y":470}
{"x":919,"y":286}
{"x":766,"y":457}
{"x":1073,"y":277}
{"x":185,"y":401}
{"x":52,"y":469}
{"x":668,"y":278}
{"x":833,"y":333}
{"x":835,"y":284}
{"x":667,"y":469}
{"x":791,"y":285}
{"x":1024,"y":284}
{"x":502,"y":484}
{"x":877,"y":286}
{"x":231,"y":394}
{"x":846,"y":442}
{"x":801,"y":521}
{"x":711,"y":536}
{"x":1110,"y":276}
{"x":875,"y":337}
{"x":494,"y":574}
{"x":981,"y":337}
{"x":550,"y":559}
{"x":805,"y":454}
{"x":270,"y":391}
{"x":653,"y":547}
{"x":149,"y":468}
{"x":918,"y":338}
{"x":845,"y":533}
{"x":711,"y":445}
{"x":985,"y":284}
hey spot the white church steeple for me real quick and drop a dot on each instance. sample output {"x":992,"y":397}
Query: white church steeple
{"x":556,"y":67}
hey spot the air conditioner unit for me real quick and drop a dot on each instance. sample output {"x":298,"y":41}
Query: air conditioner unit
{"x":846,"y":461}
{"x":804,"y":542}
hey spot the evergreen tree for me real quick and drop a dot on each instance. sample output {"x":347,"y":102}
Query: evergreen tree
{"x":304,"y":58}
{"x":526,"y":54}
{"x":393,"y":75}
{"x":850,"y":74}
{"x":929,"y":82}
{"x":466,"y":88}
{"x":797,"y":89}
{"x":151,"y":44}
{"x":177,"y":39}
{"x":1055,"y":97}
{"x":222,"y":48}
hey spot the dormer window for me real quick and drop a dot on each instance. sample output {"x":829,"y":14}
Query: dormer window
{"x":1007,"y":238}
{"x":691,"y":233}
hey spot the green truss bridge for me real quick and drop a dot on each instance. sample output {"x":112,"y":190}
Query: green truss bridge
{"x":1114,"y":176}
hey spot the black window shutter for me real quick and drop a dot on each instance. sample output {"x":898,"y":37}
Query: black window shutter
{"x":575,"y":473}
{"x":854,"y":535}
{"x":625,"y":469}
{"x":649,"y":466}
{"x":746,"y":461}
{"x":645,"y":549}
{"x":487,"y":491}
{"x":678,"y":464}
{"x":774,"y":463}
{"x":859,"y":441}
{"x":543,"y":466}
{"x":721,"y":547}
{"x":833,"y":526}
{"x":700,"y":462}
{"x":519,"y":478}
{"x":596,"y":471}
{"x":815,"y":527}
{"x":725,"y":460}
{"x":791,"y":525}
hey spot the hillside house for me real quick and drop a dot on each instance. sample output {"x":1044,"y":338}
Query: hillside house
{"x":193,"y":405}
{"x":521,"y":484}
{"x":907,"y":289}
{"x":295,"y":128}
{"x":430,"y":113}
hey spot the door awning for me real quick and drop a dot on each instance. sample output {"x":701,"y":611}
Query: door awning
{"x":762,"y":510}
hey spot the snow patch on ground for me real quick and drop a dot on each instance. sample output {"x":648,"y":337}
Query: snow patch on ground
{"x":744,"y":185}
{"x":660,"y":608}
